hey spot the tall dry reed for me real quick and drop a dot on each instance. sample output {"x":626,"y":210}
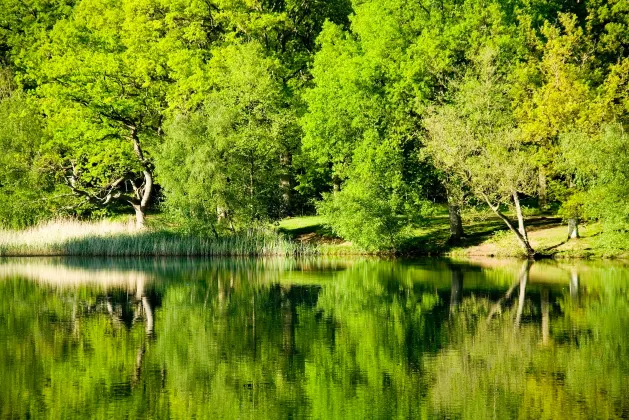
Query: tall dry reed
{"x":114,"y":238}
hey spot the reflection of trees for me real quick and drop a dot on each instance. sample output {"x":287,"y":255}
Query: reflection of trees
{"x":567,"y":359}
{"x":76,"y":344}
{"x":456,"y":290}
{"x":282,"y":338}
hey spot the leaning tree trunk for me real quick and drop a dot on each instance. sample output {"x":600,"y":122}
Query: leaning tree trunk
{"x":520,"y":216}
{"x":519,"y":232}
{"x":454,"y":213}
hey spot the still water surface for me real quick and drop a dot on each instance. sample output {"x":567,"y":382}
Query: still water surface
{"x":315,"y":338}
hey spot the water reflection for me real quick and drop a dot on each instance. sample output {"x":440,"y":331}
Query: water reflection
{"x":317,"y":338}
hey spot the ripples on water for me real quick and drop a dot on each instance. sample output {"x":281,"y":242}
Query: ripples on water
{"x":319,"y":338}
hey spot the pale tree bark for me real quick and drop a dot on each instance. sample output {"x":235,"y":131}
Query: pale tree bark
{"x":141,"y":196}
{"x":455,"y":198}
{"x":573,"y":222}
{"x":142,"y":193}
{"x":520,"y":216}
{"x":520,"y":231}
{"x":573,"y":228}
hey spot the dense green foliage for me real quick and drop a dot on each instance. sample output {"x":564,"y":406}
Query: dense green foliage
{"x":229,"y":115}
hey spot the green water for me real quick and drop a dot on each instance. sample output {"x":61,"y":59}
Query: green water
{"x":318,"y":338}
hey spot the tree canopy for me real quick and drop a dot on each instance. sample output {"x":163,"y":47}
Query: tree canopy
{"x":230,"y":115}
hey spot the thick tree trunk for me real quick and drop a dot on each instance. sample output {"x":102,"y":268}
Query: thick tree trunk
{"x":455,"y":198}
{"x":573,"y":228}
{"x":142,"y":193}
{"x":456,"y":224}
{"x":542,"y":191}
{"x":139,"y":216}
{"x":520,"y":232}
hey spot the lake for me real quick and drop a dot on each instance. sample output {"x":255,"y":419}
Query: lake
{"x":313,"y":338}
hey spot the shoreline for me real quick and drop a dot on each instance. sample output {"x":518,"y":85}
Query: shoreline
{"x":304,"y":236}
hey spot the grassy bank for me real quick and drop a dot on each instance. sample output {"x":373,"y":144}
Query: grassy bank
{"x":298,"y":236}
{"x":485,"y":237}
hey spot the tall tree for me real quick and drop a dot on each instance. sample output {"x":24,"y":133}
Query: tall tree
{"x":23,"y":191}
{"x":475,"y":136}
{"x":558,"y":99}
{"x":220,"y":163}
{"x":103,"y":83}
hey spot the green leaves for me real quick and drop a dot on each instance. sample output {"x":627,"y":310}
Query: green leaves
{"x":475,"y":138}
{"x":222,"y":162}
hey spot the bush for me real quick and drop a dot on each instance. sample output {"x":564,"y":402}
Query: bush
{"x":359,"y":214}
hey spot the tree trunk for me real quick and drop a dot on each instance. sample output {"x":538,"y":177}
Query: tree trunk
{"x":573,"y":222}
{"x":139,"y":216}
{"x":520,"y":233}
{"x":542,"y":192}
{"x":285,"y":187}
{"x":573,"y":228}
{"x":520,"y":216}
{"x":456,"y":225}
{"x":336,"y":184}
{"x":143,"y":193}
{"x":454,"y":213}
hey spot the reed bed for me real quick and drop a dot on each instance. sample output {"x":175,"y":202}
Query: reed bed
{"x":118,"y":239}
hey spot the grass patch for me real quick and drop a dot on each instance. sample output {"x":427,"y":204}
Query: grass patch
{"x":310,"y":229}
{"x":297,"y":236}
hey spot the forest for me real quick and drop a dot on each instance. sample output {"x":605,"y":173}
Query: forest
{"x":220,"y":118}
